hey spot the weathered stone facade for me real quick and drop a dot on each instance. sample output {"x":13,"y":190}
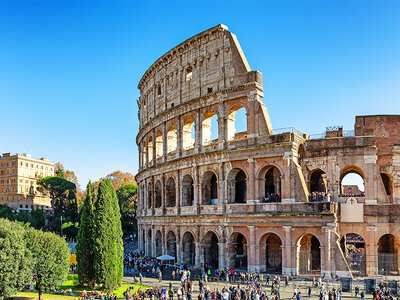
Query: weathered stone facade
{"x":203,"y":200}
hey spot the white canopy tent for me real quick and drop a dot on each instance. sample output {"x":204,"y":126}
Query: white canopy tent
{"x":166,"y":258}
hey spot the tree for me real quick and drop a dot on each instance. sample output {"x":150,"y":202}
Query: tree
{"x":51,"y":257}
{"x":14,"y":259}
{"x":62,"y":194}
{"x":84,"y":248}
{"x":71,"y":177}
{"x":37,"y":218}
{"x":127,"y":198}
{"x":6,"y":213}
{"x":108,"y":245}
{"x":118,"y":179}
{"x":23,"y":217}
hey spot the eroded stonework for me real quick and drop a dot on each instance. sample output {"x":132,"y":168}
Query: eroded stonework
{"x":245,"y":199}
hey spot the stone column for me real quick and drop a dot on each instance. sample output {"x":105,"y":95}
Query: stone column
{"x":165,"y":142}
{"x":178,"y":200}
{"x":153,"y":134}
{"x":221,"y":186}
{"x":221,"y":255}
{"x":371,"y":251}
{"x":251,"y":182}
{"x":326,"y":265}
{"x":198,"y":258}
{"x":198,"y":138}
{"x":252,"y":262}
{"x":179,"y":257}
{"x":179,"y":133}
{"x":221,"y":124}
{"x":287,"y":259}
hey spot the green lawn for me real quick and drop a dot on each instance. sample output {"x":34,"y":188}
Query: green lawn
{"x":73,"y":284}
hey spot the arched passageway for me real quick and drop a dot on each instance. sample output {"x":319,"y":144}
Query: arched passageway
{"x":271,"y":253}
{"x":387,"y":183}
{"x":209,"y":128}
{"x":353,"y":248}
{"x":149,"y":195}
{"x":158,"y":194}
{"x":388,"y":255}
{"x":352,"y":183}
{"x":171,"y":244}
{"x":170,"y":193}
{"x":158,"y":243}
{"x":188,"y":134}
{"x":237,"y":186}
{"x":273,"y":185}
{"x":188,"y":249}
{"x":237,"y":122}
{"x":308,"y":255}
{"x":148,"y":244}
{"x":187,"y":191}
{"x":238,"y":251}
{"x":318,"y":182}
{"x":209,"y":188}
{"x":211,"y":251}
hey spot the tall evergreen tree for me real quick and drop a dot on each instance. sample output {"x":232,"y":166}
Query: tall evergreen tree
{"x":108,"y":245}
{"x":84,"y":248}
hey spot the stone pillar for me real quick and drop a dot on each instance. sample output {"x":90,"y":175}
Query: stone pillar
{"x":179,"y":257}
{"x":198,"y":138}
{"x":252,"y":261}
{"x":251,"y":182}
{"x":326,"y":255}
{"x":221,"y":255}
{"x":288,"y":260}
{"x":178,"y":200}
{"x":165,"y":142}
{"x":179,"y":143}
{"x":198,"y":258}
{"x":153,"y":243}
{"x":371,"y":251}
{"x":221,"y":186}
{"x":221,"y":124}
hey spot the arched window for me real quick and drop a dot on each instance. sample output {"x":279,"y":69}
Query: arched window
{"x":144,"y":153}
{"x":171,"y":193}
{"x":188,"y":134}
{"x":210,"y":188}
{"x":209,"y":128}
{"x":237,"y":186}
{"x":210,"y":243}
{"x":272,"y":184}
{"x":353,"y":248}
{"x":149,"y":195}
{"x":187,"y":191}
{"x":158,"y":243}
{"x":189,"y":250}
{"x":172,"y":139}
{"x":158,"y":195}
{"x":237,"y":122}
{"x":308,"y":255}
{"x":388,"y":255}
{"x":150,"y":147}
{"x":352,"y":183}
{"x":159,"y":144}
{"x":238,"y":251}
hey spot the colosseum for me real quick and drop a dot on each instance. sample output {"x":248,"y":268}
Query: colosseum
{"x":258,"y":199}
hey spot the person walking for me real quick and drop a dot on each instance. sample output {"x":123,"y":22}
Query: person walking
{"x":309,"y":292}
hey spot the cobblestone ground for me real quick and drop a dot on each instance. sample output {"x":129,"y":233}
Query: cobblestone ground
{"x":286,"y":291}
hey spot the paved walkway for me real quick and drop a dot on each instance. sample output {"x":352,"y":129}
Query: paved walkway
{"x":286,"y":292}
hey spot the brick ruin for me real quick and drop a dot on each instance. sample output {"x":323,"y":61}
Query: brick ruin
{"x":210,"y":194}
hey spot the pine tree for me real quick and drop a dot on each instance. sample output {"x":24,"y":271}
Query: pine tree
{"x":84,"y":248}
{"x":108,"y":245}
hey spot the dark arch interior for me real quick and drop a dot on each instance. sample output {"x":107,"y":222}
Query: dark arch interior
{"x":388,"y":251}
{"x":158,"y":242}
{"x":318,"y":182}
{"x":149,"y":196}
{"x":387,"y":184}
{"x":187,"y":191}
{"x":353,"y":248}
{"x":240,"y":187}
{"x":158,"y":195}
{"x":239,"y":247}
{"x":171,"y":193}
{"x":272,"y":185}
{"x":309,"y":255}
{"x":189,"y":252}
{"x":211,"y":250}
{"x":171,"y":244}
{"x":273,"y":254}
{"x":210,"y":188}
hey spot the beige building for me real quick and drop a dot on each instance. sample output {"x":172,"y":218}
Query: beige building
{"x":18,"y":181}
{"x":262,"y":199}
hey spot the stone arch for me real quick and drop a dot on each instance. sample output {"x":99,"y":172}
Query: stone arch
{"x":144,"y":153}
{"x":354,"y":251}
{"x":150,"y":148}
{"x":271,"y":252}
{"x":238,"y":251}
{"x":158,"y":194}
{"x":387,"y":184}
{"x":188,"y":134}
{"x":351,"y":190}
{"x":317,"y":181}
{"x":209,"y":188}
{"x":149,"y":241}
{"x":301,"y":152}
{"x":170,"y":190}
{"x":211,"y":249}
{"x":171,"y":244}
{"x":149,"y":194}
{"x":207,"y":130}
{"x":237,"y":186}
{"x":172,"y":139}
{"x":388,"y":254}
{"x":158,"y":243}
{"x":187,"y":190}
{"x":159,"y":144}
{"x":237,"y":114}
{"x":144,"y":240}
{"x":188,"y":248}
{"x":270,"y":183}
{"x":308,"y":255}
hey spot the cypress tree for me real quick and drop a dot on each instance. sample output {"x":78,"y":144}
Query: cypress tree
{"x":108,"y":245}
{"x":84,"y":248}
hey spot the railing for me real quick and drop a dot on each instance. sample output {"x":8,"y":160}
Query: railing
{"x":287,"y":129}
{"x":346,"y":133}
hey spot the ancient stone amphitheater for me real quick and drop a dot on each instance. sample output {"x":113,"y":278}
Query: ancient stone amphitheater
{"x":264,"y":200}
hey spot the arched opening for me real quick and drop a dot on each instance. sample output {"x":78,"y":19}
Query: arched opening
{"x":318,"y":181}
{"x":352,"y":183}
{"x":353,"y":248}
{"x":172,"y":139}
{"x":149,"y":195}
{"x":237,"y":123}
{"x":236,"y":185}
{"x":209,"y":128}
{"x":188,"y":134}
{"x":159,"y":144}
{"x":148,"y":246}
{"x":188,"y":249}
{"x":308,"y":255}
{"x":238,"y":250}
{"x":301,"y":152}
{"x":272,"y":185}
{"x":388,"y":255}
{"x":387,"y":183}
{"x":144,"y":154}
{"x":158,"y":243}
{"x":158,"y":195}
{"x":272,"y":245}
{"x":150,"y":147}
{"x":211,"y":252}
{"x":171,"y":193}
{"x":171,"y":244}
{"x":144,"y":241}
{"x":187,"y":191}
{"x":209,"y":188}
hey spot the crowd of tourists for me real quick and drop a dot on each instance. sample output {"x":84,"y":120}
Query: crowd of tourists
{"x":272,"y":198}
{"x":319,"y":197}
{"x":92,"y":295}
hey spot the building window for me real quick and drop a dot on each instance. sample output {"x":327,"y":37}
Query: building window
{"x":159,"y":90}
{"x":21,"y":164}
{"x":189,"y":74}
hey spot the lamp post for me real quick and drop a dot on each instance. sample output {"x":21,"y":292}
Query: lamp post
{"x":61,"y":226}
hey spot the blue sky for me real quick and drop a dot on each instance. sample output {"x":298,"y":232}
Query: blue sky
{"x":69,"y":69}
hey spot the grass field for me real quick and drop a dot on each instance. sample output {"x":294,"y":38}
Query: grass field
{"x":73,"y":284}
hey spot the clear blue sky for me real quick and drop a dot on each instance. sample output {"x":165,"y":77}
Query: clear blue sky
{"x":69,"y":70}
